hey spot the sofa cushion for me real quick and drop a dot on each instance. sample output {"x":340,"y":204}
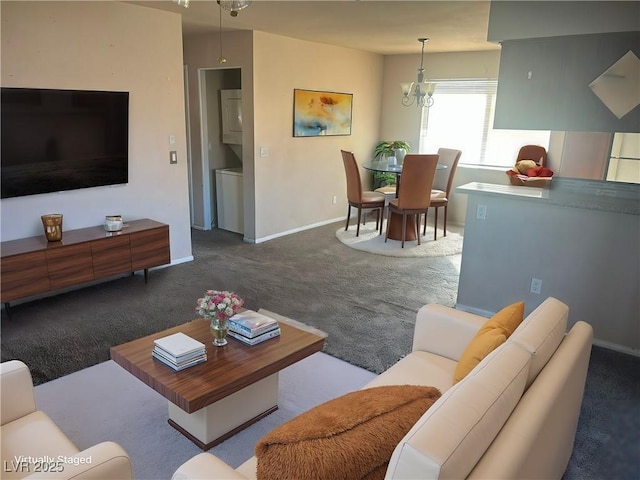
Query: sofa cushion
{"x":418,"y":368}
{"x":352,"y":436}
{"x":454,"y":433}
{"x":541,"y":333}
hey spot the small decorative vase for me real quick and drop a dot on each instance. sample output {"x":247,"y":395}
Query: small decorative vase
{"x":52,"y":224}
{"x":219,"y":330}
{"x":400,"y":154}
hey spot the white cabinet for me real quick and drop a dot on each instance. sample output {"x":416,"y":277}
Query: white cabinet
{"x":229,"y":199}
{"x":231,"y":104}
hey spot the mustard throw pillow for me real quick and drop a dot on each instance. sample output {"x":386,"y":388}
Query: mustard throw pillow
{"x":482,"y":345}
{"x":491,"y":335}
{"x":350,"y":437}
{"x":507,"y":319}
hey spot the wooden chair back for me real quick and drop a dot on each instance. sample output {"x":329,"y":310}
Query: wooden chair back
{"x":443,"y":180}
{"x":354,"y":183}
{"x":536,"y":153}
{"x":418,"y":172}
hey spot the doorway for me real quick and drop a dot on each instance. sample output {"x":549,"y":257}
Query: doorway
{"x":215,"y":154}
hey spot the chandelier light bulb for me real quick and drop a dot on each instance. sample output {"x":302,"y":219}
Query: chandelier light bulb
{"x":234,"y":6}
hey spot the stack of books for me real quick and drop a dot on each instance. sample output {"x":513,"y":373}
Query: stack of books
{"x":252,"y":328}
{"x":179,"y":351}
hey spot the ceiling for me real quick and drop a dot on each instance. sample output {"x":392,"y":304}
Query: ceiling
{"x":384,"y":27}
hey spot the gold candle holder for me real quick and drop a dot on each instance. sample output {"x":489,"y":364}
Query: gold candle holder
{"x":52,"y":224}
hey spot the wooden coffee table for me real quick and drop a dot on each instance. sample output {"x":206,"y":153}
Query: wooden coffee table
{"x":235,"y":387}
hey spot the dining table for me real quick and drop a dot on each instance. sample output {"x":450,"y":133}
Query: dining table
{"x":392,"y":165}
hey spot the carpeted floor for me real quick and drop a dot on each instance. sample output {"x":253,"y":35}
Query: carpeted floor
{"x":366,"y":303}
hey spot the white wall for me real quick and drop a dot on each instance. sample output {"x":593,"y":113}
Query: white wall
{"x":403,"y":123}
{"x":106,"y":46}
{"x":293,"y":188}
{"x":295,"y":184}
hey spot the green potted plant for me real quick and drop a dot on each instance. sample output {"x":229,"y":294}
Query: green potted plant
{"x":397,"y":148}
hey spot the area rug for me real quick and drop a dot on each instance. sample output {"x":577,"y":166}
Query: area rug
{"x":370,"y":241}
{"x":105,"y":402}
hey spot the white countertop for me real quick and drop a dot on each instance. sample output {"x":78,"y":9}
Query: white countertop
{"x":604,"y":196}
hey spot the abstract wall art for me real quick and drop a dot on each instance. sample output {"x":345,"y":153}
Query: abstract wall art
{"x":318,"y":113}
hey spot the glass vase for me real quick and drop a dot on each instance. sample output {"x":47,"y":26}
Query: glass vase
{"x":219,"y":330}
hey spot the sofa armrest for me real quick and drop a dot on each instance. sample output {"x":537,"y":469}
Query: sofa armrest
{"x":16,"y":387}
{"x":445,"y":331}
{"x":106,"y":460}
{"x":102,"y":461}
{"x":205,"y":465}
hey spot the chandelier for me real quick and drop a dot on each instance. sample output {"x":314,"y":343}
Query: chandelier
{"x":234,"y":6}
{"x":420,"y":92}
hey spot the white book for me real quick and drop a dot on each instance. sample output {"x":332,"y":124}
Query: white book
{"x":179,"y":344}
{"x":238,"y":329}
{"x":255,"y":340}
{"x":252,"y":322}
{"x":177,"y":368}
{"x":182,"y":358}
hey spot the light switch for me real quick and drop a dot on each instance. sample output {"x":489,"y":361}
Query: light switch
{"x":173,"y":157}
{"x":264,"y":152}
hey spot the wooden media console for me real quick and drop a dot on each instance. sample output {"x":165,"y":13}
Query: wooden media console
{"x":32,"y":266}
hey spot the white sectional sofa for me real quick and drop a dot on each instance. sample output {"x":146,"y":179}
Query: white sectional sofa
{"x":513,"y":416}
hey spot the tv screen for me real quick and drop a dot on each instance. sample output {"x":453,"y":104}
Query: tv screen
{"x":56,"y":140}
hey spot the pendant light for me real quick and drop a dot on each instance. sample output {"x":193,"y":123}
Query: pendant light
{"x":420,"y":92}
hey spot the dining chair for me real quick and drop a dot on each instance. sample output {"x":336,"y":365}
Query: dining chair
{"x":414,"y":195}
{"x":442,"y":184}
{"x":357,"y":197}
{"x":536,"y":153}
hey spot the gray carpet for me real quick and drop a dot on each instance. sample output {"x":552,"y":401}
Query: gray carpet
{"x":366,"y":303}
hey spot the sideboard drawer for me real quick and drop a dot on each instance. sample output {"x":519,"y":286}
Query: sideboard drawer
{"x":23,"y":275}
{"x":111,"y":256}
{"x":69,"y":265}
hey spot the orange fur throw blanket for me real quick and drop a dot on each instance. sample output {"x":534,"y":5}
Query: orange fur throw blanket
{"x":350,"y":437}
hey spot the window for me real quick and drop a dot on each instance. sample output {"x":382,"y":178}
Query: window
{"x":462,"y":118}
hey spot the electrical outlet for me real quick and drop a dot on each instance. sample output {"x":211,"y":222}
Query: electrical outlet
{"x":264,"y":152}
{"x":481,"y":212}
{"x":334,"y":200}
{"x":536,"y":286}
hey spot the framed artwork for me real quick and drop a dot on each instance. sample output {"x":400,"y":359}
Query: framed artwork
{"x":317,"y":113}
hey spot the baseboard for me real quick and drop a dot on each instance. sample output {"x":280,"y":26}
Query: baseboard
{"x":175,"y":262}
{"x":476,"y":311}
{"x":295,"y":230}
{"x":616,"y":347}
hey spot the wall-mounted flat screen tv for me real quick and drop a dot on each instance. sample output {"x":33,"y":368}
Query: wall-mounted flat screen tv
{"x":57,"y":140}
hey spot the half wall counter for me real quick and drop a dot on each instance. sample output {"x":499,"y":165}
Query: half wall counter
{"x":580,"y":239}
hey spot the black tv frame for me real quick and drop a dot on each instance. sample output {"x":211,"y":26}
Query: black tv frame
{"x":55,"y":140}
